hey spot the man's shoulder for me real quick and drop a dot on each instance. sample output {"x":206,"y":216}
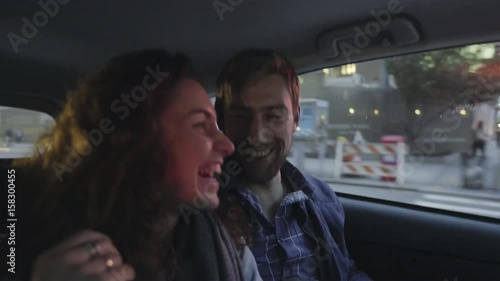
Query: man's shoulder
{"x":317,"y":184}
{"x":321,"y":191}
{"x":326,"y":200}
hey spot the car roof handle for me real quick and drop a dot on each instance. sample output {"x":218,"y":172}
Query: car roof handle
{"x":398,"y":31}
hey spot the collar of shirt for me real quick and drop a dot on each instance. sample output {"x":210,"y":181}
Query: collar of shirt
{"x":303,"y":191}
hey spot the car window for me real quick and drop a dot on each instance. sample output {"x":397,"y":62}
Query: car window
{"x":20,"y":129}
{"x":422,"y":128}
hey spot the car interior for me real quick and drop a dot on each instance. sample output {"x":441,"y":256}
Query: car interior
{"x":388,"y":240}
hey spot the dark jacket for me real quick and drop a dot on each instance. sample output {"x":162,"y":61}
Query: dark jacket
{"x":328,"y":225}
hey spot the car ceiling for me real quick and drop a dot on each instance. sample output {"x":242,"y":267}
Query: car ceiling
{"x":84,"y":34}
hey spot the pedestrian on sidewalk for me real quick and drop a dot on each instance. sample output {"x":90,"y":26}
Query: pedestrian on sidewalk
{"x":19,"y":135}
{"x":480,"y":138}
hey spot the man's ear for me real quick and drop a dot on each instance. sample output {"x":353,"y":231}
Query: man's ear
{"x":219,"y":110}
{"x":296,"y":117}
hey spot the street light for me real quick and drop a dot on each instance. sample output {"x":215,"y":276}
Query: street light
{"x":376,"y":112}
{"x":463,"y":112}
{"x":351,"y":110}
{"x":418,"y":112}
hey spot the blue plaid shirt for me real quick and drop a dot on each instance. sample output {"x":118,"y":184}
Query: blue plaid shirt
{"x":306,"y":239}
{"x":282,"y":249}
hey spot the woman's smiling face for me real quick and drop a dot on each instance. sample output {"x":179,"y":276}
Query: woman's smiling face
{"x":194,"y":147}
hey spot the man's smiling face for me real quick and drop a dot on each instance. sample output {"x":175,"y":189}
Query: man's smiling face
{"x":260,"y":122}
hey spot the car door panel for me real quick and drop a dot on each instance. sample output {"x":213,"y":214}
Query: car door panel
{"x":393,"y":241}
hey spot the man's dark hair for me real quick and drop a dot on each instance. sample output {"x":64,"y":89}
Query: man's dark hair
{"x":247,"y":67}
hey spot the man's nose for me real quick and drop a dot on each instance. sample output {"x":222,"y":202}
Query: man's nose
{"x":223,"y":144}
{"x":259,"y":133}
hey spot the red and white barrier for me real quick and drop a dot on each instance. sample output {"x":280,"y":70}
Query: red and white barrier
{"x":370,"y":169}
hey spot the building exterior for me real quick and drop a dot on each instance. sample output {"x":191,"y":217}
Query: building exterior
{"x":364,"y":97}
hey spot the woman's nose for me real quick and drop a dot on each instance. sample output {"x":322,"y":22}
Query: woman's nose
{"x":224,"y":145}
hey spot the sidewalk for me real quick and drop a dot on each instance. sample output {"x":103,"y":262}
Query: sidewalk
{"x":432,"y":175}
{"x":16,"y":150}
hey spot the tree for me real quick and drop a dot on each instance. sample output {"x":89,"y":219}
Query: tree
{"x":438,"y":81}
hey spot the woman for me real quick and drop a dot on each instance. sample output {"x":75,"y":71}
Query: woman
{"x":127,"y":173}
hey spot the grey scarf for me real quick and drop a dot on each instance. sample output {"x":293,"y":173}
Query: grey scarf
{"x":205,"y":251}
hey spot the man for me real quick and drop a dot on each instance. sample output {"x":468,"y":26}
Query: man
{"x":293,"y":222}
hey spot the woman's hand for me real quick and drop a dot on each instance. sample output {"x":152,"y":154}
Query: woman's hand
{"x":85,"y":256}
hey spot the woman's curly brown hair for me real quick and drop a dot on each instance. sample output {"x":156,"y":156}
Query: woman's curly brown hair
{"x":102,"y":164}
{"x":234,"y":214}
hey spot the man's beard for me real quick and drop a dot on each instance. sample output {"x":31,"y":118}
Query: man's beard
{"x":261,"y":170}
